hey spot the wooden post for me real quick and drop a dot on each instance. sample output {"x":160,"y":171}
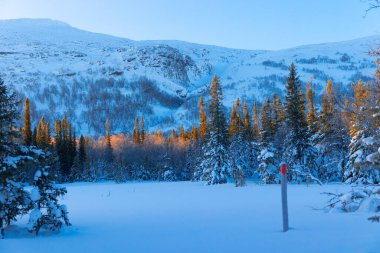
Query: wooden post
{"x":284,"y":197}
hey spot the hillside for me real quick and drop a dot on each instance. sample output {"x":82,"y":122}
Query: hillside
{"x":91,"y":77}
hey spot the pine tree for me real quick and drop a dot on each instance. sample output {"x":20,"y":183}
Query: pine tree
{"x":27,"y":130}
{"x":202,"y":118}
{"x":215,"y":164}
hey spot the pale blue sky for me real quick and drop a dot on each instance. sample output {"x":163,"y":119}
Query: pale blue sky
{"x":249,"y":24}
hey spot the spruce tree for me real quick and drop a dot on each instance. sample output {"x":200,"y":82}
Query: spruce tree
{"x":82,"y":150}
{"x":194,"y":134}
{"x":142,"y":130}
{"x":331,"y":138}
{"x":215,"y":164}
{"x":362,"y":166}
{"x":247,"y":130}
{"x":277,"y":111}
{"x":299,"y":154}
{"x":267,"y":130}
{"x":256,"y":127}
{"x":47,"y":135}
{"x":136,"y":132}
{"x":266,"y":157}
{"x":27,"y":130}
{"x":109,"y":150}
{"x":202,"y":118}
{"x":34,"y":136}
{"x":65,"y":146}
{"x":40,"y":137}
{"x":312,"y":120}
{"x":13,"y":197}
{"x":233,"y":122}
{"x":182,"y":133}
{"x":47,"y":212}
{"x":238,"y":118}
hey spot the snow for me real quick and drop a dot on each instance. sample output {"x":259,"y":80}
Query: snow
{"x":369,"y":141}
{"x":35,"y":194}
{"x":265,"y":154}
{"x":33,"y":218}
{"x":370,"y":205}
{"x":37,"y":175}
{"x":190,"y":217}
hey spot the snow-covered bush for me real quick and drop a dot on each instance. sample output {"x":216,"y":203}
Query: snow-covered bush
{"x":47,"y":212}
{"x":268,"y":170}
{"x":358,"y":199}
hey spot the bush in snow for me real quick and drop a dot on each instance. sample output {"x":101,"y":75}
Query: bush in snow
{"x":47,"y":212}
{"x":359,"y":199}
{"x":267,"y":168}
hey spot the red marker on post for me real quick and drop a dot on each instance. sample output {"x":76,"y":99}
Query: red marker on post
{"x":284,"y":197}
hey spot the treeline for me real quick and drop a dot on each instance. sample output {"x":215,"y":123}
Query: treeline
{"x":335,"y":140}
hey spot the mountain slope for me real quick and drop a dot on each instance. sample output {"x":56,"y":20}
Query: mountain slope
{"x":92,"y":76}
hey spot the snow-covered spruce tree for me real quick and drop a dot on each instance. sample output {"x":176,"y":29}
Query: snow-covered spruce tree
{"x":46,"y":213}
{"x":363,"y":164}
{"x":240,"y":154}
{"x":194,"y":156}
{"x":331,"y":139}
{"x":299,"y":154}
{"x":14,"y":200}
{"x":215,"y":167}
{"x":266,"y":158}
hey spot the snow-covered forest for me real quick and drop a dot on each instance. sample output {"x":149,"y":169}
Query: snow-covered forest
{"x":199,"y":168}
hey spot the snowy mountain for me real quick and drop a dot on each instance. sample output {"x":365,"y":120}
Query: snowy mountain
{"x":91,"y":76}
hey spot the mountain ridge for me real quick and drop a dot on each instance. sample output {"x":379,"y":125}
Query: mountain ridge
{"x":52,"y":62}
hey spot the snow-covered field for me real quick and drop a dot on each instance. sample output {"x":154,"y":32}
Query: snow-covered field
{"x":190,"y":217}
